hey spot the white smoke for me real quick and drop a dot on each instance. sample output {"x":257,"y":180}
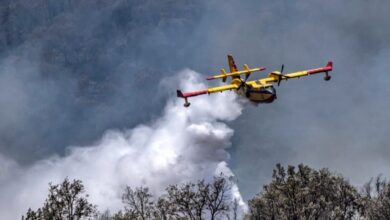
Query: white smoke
{"x":184,"y":144}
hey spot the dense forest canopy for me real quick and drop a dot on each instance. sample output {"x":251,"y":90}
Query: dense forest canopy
{"x":299,"y":193}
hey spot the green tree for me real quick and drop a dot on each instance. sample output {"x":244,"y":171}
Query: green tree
{"x":164,"y":210}
{"x":66,"y":201}
{"x":305,"y":194}
{"x":124,"y":216}
{"x":185,"y":200}
{"x":196,"y":201}
{"x":375,"y":201}
{"x":218,"y":195}
{"x":138,"y":202}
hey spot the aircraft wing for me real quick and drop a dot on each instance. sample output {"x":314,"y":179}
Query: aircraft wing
{"x":186,"y":95}
{"x":277,"y":76}
{"x":206,"y":91}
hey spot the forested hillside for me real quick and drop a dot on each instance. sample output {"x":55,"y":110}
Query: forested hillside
{"x":297,"y":193}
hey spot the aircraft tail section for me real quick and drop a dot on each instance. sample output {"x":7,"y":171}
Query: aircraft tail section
{"x":232,"y":64}
{"x":234,"y":72}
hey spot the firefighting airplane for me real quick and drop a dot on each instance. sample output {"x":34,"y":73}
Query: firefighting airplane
{"x":257,"y":91}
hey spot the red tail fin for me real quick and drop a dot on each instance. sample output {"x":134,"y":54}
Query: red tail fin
{"x":179,"y":94}
{"x":232,"y":64}
{"x":329,"y":65}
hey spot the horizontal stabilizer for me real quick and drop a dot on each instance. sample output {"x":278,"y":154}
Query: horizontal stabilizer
{"x":237,"y":73}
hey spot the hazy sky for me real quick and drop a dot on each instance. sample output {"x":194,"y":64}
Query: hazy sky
{"x":340,"y":124}
{"x":71,"y":70}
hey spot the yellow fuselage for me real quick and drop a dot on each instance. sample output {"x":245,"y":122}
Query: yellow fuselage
{"x":258,"y":95}
{"x":255,"y":92}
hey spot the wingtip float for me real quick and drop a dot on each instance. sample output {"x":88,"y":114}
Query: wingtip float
{"x":256,"y":91}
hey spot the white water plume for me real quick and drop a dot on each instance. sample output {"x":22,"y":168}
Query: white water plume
{"x":184,"y":144}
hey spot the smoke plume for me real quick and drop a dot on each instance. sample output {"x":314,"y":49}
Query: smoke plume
{"x":184,"y":144}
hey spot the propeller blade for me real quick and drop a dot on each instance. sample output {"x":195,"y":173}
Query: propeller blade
{"x":241,"y":84}
{"x":247,"y":76}
{"x":246,"y":90}
{"x":281,"y":75}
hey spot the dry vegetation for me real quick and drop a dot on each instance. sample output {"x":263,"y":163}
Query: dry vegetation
{"x":294,"y":193}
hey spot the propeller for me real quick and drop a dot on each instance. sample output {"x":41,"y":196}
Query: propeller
{"x":247,"y":76}
{"x":281,"y":75}
{"x":245,"y":86}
